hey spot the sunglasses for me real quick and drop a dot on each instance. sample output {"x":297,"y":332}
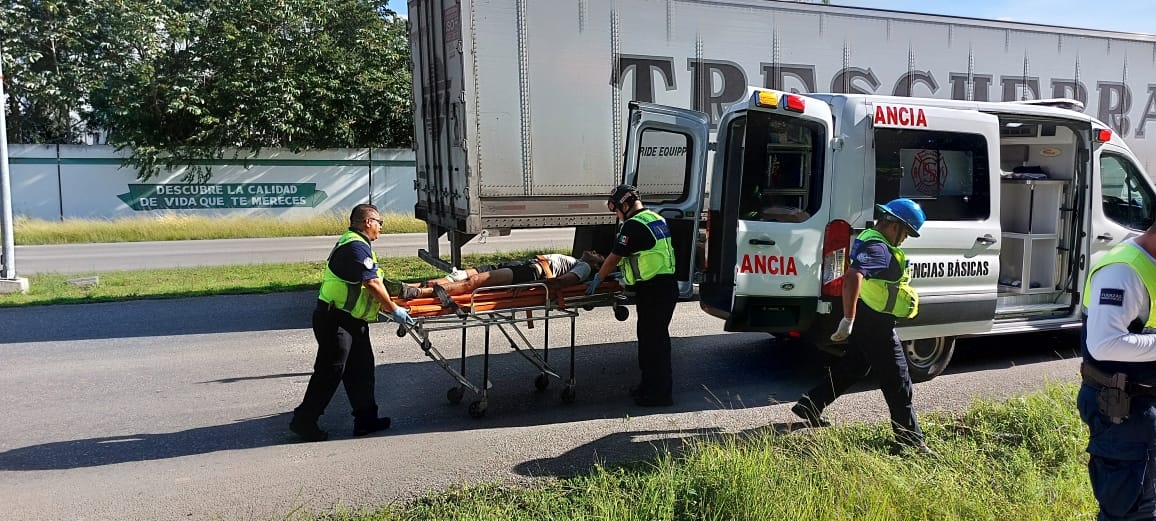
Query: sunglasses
{"x":378,"y":221}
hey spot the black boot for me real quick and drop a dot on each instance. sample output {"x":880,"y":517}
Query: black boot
{"x":810,"y":414}
{"x":363,"y":427}
{"x":307,"y":430}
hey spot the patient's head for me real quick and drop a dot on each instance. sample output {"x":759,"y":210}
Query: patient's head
{"x":593,"y":259}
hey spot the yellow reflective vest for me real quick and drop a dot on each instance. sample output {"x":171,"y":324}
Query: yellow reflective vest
{"x":350,"y":296}
{"x":1129,"y":254}
{"x":894,"y":297}
{"x":658,"y":260}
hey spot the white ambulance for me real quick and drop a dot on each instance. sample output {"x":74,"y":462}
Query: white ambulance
{"x":1021,"y":199}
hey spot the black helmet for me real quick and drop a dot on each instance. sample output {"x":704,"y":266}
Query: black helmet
{"x":623,"y":196}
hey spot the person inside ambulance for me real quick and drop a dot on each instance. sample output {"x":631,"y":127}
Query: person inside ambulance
{"x":876,"y":291}
{"x":1117,"y":400}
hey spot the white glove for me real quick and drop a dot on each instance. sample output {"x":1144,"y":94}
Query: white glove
{"x":844,"y":330}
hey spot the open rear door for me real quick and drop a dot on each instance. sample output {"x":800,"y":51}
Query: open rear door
{"x":666,"y":150}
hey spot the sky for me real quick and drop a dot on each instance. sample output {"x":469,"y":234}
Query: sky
{"x":1136,"y":16}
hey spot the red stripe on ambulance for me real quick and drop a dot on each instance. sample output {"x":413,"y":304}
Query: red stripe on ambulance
{"x":900,"y":116}
{"x":768,"y":264}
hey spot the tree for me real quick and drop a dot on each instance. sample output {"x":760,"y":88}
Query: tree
{"x":250,"y":74}
{"x":56,"y":52}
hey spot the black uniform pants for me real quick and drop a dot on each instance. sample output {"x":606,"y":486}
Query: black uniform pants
{"x":874,"y":347}
{"x":344,"y":356}
{"x":1121,"y":458}
{"x":655,"y":300}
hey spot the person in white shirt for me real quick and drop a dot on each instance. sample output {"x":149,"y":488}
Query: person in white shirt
{"x":1118,"y":397}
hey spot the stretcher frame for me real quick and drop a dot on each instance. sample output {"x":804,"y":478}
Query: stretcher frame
{"x":509,"y":322}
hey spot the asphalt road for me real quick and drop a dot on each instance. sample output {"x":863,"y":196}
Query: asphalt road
{"x":177,"y":409}
{"x":95,"y":258}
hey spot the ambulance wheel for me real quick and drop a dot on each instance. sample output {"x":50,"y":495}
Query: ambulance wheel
{"x":478,"y":408}
{"x":621,"y":313}
{"x":928,"y":357}
{"x":454,"y":395}
{"x":542,"y":381}
{"x":568,"y":394}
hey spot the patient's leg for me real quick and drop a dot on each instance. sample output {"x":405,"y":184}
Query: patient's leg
{"x":498,"y":277}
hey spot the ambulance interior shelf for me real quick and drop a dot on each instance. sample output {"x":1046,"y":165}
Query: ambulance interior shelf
{"x":1030,"y":217}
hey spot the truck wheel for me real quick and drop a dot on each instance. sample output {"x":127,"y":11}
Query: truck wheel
{"x":928,"y":357}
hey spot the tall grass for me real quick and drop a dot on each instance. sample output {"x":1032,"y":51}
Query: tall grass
{"x":1022,"y":459}
{"x":173,"y":227}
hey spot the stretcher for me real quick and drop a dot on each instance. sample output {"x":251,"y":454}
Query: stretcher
{"x":508,"y":309}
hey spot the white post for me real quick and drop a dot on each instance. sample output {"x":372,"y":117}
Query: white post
{"x":8,"y":281}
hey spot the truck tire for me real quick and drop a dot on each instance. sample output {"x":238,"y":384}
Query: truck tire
{"x":928,"y":357}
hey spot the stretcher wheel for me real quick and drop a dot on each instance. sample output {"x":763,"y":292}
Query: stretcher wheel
{"x":588,"y":308}
{"x":621,"y":313}
{"x":542,"y":381}
{"x":568,"y":394}
{"x":478,"y":408}
{"x":401,"y":330}
{"x":454,"y":395}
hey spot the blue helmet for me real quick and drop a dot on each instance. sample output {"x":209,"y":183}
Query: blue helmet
{"x":905,"y":211}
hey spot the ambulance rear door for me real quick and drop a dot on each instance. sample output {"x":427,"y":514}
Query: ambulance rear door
{"x":776,"y":192}
{"x":946,"y":160}
{"x":666,"y":151}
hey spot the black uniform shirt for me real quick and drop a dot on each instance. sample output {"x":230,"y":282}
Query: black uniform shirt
{"x":633,"y":237}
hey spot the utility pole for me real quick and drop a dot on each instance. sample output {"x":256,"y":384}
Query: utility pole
{"x":9,"y":283}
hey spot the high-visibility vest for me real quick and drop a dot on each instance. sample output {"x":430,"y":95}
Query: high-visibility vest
{"x":894,"y":297}
{"x":658,"y":260}
{"x":1125,"y":253}
{"x":1134,"y":257}
{"x":350,"y":296}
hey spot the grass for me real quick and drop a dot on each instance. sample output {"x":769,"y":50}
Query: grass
{"x":1022,"y":459}
{"x":215,"y":280}
{"x":174,"y":227}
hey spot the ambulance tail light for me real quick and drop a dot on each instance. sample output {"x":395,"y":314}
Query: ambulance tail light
{"x":836,"y":253}
{"x":1103,"y":135}
{"x":795,"y":103}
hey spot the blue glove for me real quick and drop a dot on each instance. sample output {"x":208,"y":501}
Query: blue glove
{"x":594,"y":282}
{"x":401,"y":316}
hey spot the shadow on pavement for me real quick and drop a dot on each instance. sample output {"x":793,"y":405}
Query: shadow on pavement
{"x":712,"y":372}
{"x":141,"y":318}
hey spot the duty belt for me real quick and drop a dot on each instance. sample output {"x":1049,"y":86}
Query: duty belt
{"x":1097,"y":378}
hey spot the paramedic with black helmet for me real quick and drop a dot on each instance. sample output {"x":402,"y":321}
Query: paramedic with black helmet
{"x":644,"y":251}
{"x":1118,"y":397}
{"x":875,"y":293}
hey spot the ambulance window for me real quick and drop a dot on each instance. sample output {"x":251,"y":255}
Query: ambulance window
{"x":1127,"y":199}
{"x":663,"y":166}
{"x":945,"y":172}
{"x":782,"y":168}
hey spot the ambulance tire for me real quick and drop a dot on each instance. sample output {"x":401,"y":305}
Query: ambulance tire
{"x":928,"y":357}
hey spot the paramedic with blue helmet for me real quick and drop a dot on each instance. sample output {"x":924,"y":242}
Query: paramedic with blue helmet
{"x":875,"y":293}
{"x":1118,"y":397}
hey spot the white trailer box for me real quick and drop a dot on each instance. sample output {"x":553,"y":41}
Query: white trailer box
{"x":520,"y":104}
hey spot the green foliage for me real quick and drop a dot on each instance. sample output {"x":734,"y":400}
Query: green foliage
{"x":1022,"y":459}
{"x":179,"y":82}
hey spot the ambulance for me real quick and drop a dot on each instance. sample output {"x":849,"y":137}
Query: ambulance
{"x":1021,"y":199}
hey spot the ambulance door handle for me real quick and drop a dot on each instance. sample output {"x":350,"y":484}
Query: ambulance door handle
{"x":986,"y":240}
{"x":762,"y":242}
{"x":1104,"y":237}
